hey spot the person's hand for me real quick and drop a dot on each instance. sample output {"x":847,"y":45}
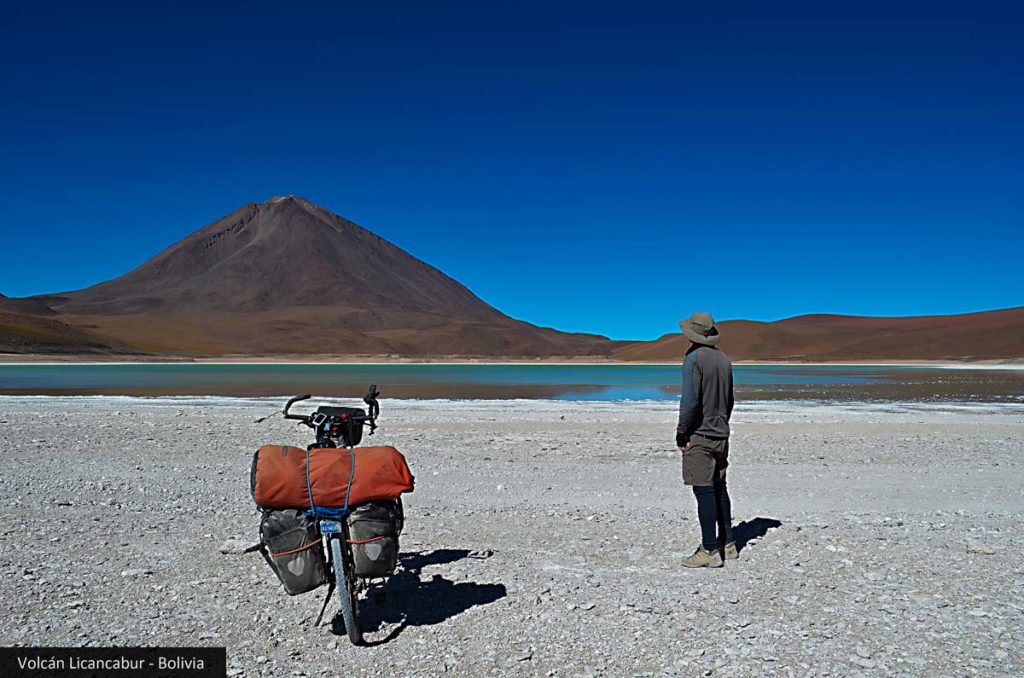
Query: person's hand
{"x":684,"y":448}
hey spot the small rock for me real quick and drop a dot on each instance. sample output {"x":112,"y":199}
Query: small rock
{"x":975,"y":546}
{"x":136,"y":572}
{"x":862,"y":662}
{"x":234,"y":546}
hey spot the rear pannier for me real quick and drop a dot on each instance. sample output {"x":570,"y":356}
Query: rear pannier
{"x":323,"y":477}
{"x":373,"y":533}
{"x":292,"y":548}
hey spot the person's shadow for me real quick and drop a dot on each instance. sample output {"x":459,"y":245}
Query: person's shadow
{"x":749,"y":530}
{"x":407,"y":601}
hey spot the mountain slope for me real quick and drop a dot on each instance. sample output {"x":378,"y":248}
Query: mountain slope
{"x":23,"y":333}
{"x":287,"y":276}
{"x":28,"y":306}
{"x":280,"y":254}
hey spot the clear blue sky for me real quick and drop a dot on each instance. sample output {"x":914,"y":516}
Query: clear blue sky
{"x":593,"y":166}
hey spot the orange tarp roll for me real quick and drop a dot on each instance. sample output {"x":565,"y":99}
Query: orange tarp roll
{"x":279,"y":476}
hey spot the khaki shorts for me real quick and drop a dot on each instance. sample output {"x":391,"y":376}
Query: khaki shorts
{"x":704,"y":463}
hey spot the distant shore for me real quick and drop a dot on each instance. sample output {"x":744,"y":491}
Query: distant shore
{"x":97,"y":359}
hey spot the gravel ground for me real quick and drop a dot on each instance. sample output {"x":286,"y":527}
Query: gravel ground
{"x":544,"y":538}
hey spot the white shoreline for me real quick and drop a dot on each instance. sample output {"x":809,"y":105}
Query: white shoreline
{"x":918,"y":365}
{"x":538,"y":404}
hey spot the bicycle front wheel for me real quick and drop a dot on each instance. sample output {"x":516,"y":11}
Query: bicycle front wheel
{"x":347,"y":593}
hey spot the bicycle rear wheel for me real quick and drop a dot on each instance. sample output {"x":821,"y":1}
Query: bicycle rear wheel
{"x":346,"y":592}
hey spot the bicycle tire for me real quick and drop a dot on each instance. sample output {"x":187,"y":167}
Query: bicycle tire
{"x":347,"y":594}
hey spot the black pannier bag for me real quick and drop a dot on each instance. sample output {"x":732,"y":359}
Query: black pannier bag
{"x":292,"y":548}
{"x":373,"y":531}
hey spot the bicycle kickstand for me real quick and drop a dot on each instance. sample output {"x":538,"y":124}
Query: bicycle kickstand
{"x":330,"y":590}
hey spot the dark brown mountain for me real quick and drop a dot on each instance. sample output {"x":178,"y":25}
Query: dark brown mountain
{"x":990,"y":335}
{"x":288,"y":277}
{"x":281,"y":254}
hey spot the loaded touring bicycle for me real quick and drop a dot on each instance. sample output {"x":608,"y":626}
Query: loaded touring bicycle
{"x":332,"y":512}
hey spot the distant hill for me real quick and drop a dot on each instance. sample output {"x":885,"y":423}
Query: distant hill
{"x":990,"y":335}
{"x":27,"y":326}
{"x":30,"y":306}
{"x":287,"y":276}
{"x":22,"y":333}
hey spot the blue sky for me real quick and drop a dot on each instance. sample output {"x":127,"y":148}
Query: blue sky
{"x":593,"y":166}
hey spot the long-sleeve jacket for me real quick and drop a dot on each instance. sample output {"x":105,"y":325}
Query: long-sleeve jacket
{"x":707,"y":400}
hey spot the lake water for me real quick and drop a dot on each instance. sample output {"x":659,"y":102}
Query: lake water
{"x":565,"y":382}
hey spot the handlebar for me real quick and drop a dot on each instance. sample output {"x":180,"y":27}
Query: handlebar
{"x":287,"y":406}
{"x":373,"y":407}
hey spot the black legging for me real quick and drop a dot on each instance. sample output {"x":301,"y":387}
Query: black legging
{"x":714,"y":511}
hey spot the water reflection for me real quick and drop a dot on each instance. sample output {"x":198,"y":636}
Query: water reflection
{"x":562,"y":382}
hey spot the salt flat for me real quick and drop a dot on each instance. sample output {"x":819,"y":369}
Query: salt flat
{"x":544,"y":538}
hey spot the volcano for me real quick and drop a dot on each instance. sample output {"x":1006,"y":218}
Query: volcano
{"x":289,"y":277}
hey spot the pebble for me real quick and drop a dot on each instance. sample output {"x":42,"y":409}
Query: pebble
{"x":235,"y":545}
{"x":976,"y":546}
{"x":862,"y":662}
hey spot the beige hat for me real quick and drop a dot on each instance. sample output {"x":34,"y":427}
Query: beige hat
{"x":700,"y":329}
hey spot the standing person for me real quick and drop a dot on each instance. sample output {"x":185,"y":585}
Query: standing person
{"x":703,"y":438}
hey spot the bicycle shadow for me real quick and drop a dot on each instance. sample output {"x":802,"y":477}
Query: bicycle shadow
{"x":749,"y":530}
{"x":408,"y":601}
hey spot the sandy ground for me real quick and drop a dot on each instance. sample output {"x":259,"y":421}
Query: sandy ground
{"x":543,"y":539}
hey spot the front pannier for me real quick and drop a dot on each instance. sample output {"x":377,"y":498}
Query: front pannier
{"x":292,"y":548}
{"x":373,"y":533}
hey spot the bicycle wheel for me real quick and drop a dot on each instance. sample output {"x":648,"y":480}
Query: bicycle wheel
{"x":347,"y":593}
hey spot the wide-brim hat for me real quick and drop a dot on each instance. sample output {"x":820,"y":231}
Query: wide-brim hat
{"x":700,"y":328}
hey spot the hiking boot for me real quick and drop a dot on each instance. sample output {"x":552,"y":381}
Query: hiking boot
{"x":731,"y":552}
{"x":702,"y":558}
